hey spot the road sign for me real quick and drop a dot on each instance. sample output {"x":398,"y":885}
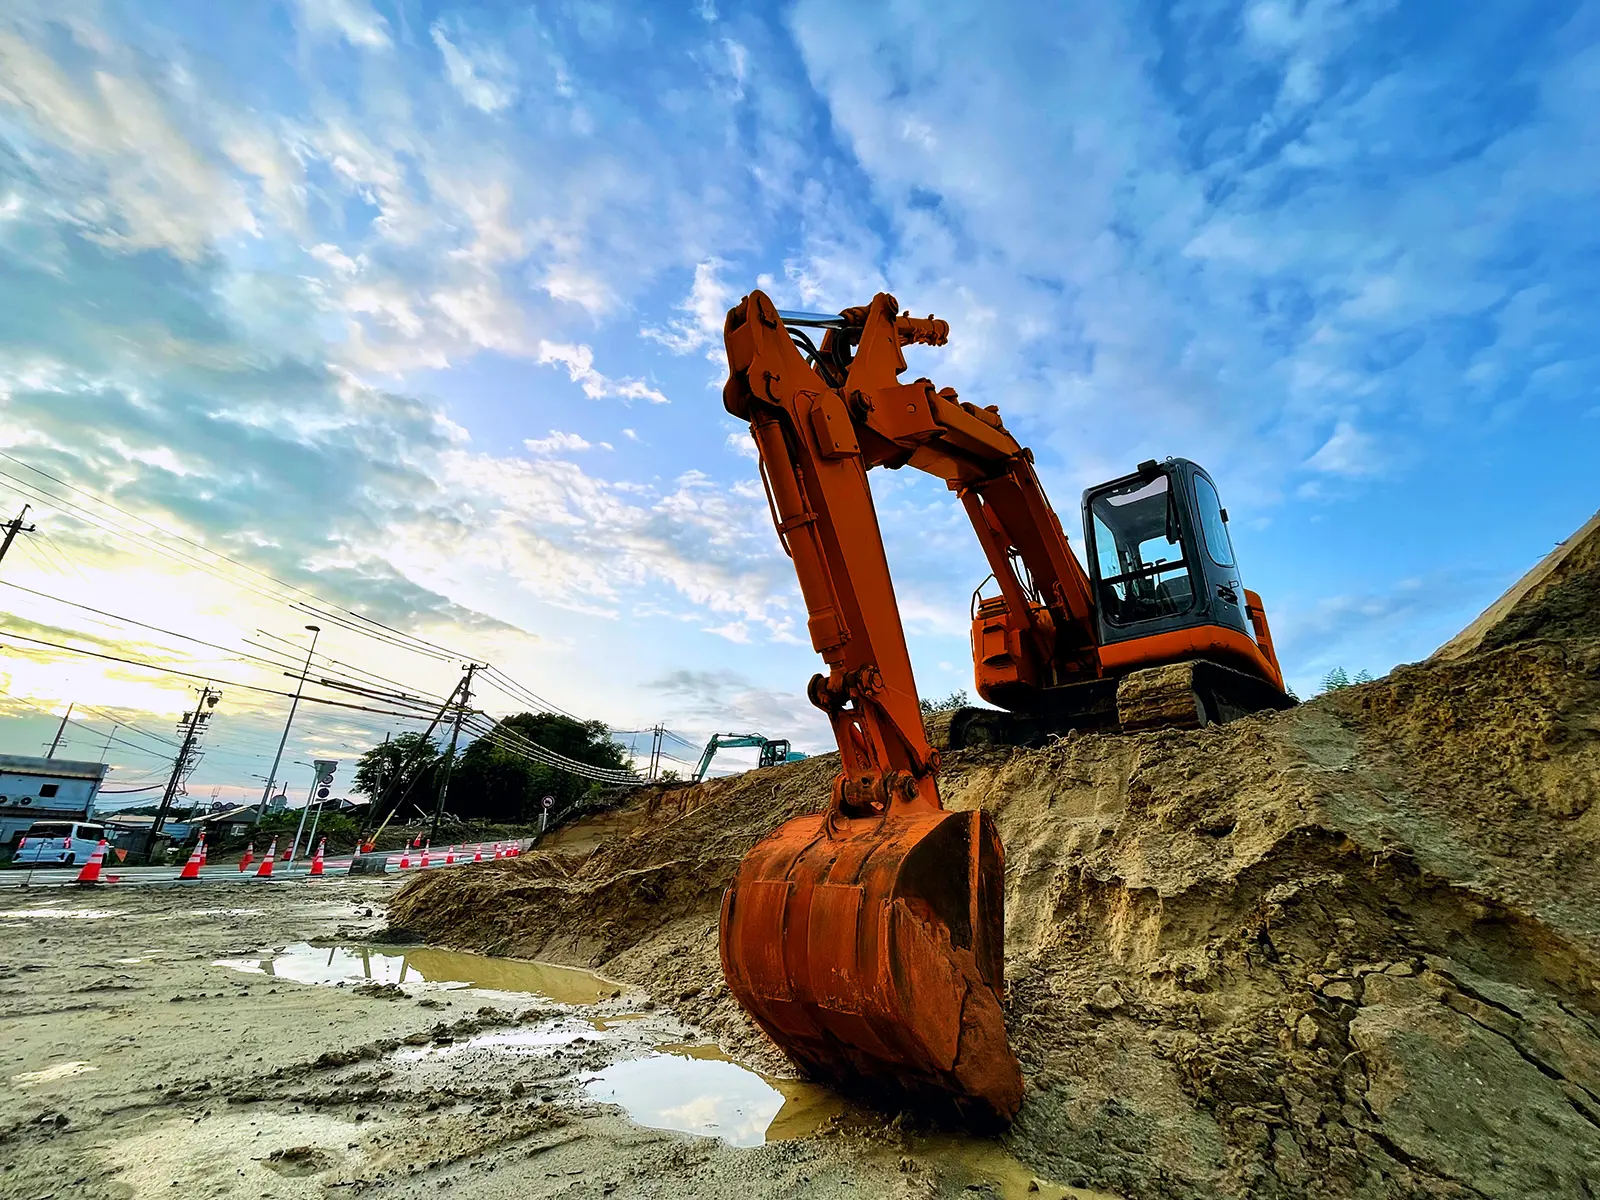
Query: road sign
{"x":325,"y":769}
{"x":549,"y":803}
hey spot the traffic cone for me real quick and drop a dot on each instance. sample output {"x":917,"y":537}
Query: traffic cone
{"x":516,"y":849}
{"x":264,"y":871}
{"x":191,"y":869}
{"x":425,"y":848}
{"x":450,"y":857}
{"x":477,"y":853}
{"x":497,"y":853}
{"x":316,"y":859}
{"x":247,"y":858}
{"x":405,"y":858}
{"x":91,"y":869}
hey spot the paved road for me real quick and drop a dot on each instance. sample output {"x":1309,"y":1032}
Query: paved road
{"x":119,"y":876}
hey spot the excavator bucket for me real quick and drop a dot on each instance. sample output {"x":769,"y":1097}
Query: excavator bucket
{"x":870,"y":950}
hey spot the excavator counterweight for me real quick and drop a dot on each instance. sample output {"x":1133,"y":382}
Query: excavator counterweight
{"x":868,"y":940}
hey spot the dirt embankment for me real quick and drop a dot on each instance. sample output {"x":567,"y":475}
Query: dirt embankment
{"x":1348,"y":950}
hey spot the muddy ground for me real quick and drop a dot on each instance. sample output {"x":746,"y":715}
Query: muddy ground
{"x":1350,"y":950}
{"x":134,"y":1064}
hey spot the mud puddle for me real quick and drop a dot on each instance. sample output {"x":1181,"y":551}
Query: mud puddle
{"x":628,"y":1059}
{"x":700,"y":1090}
{"x":334,"y":965}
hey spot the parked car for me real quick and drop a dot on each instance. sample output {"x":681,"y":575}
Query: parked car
{"x":65,"y":843}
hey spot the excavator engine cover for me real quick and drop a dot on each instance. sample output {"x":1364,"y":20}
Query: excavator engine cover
{"x":870,"y":950}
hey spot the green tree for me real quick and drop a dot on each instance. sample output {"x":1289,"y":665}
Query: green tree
{"x":493,"y":781}
{"x":956,"y":699}
{"x":1335,"y":679}
{"x":1362,"y":676}
{"x":405,"y":768}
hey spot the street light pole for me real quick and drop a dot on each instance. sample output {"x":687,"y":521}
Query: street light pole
{"x":272,"y":775}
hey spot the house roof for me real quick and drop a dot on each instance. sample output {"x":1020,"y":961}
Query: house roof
{"x":51,"y":768}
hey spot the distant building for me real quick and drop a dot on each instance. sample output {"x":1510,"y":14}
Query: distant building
{"x":45,"y":789}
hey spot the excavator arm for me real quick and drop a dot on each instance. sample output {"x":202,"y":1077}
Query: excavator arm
{"x":819,"y":426}
{"x":815,"y":470}
{"x":867,"y":940}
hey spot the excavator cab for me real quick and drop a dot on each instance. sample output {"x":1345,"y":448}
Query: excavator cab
{"x":1160,"y":557}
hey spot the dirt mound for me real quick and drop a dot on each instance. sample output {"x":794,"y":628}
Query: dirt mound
{"x":1348,"y":950}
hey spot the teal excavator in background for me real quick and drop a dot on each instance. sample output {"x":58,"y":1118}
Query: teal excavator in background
{"x":773,"y":750}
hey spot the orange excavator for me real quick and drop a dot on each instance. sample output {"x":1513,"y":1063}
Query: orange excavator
{"x":867,"y":940}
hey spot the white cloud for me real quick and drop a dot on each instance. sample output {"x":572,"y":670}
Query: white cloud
{"x":559,"y":442}
{"x":482,"y":73}
{"x":579,"y":363}
{"x":742,"y":444}
{"x":631,"y":435}
{"x":356,"y":21}
{"x":706,"y":307}
{"x":134,"y":179}
{"x":1347,"y":452}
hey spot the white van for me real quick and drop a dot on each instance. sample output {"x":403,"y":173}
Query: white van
{"x":65,"y":843}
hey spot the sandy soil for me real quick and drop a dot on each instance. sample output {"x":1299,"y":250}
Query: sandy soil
{"x":1348,"y":950}
{"x":133,"y":1066}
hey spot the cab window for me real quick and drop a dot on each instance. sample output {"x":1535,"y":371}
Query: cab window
{"x":1218,"y":544}
{"x":1139,"y":552}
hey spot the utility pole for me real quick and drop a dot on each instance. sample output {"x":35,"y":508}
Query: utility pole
{"x":62,"y":728}
{"x":105,"y":751}
{"x":12,"y":528}
{"x":272,"y":775}
{"x":192,"y":728}
{"x":455,"y":735}
{"x":655,"y":751}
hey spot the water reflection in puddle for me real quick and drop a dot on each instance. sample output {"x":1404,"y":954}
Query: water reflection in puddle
{"x":699,"y":1090}
{"x":305,"y":963}
{"x":535,"y":1039}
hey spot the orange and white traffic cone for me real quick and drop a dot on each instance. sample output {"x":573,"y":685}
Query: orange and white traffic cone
{"x":497,"y":852}
{"x":191,"y":869}
{"x":405,"y":858}
{"x":450,"y":857}
{"x":264,"y":871}
{"x":91,"y":869}
{"x":316,"y":859}
{"x":477,"y":853}
{"x":516,"y":849}
{"x":247,"y":858}
{"x":425,"y":848}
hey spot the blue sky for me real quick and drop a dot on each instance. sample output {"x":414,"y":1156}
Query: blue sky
{"x":418,"y":306}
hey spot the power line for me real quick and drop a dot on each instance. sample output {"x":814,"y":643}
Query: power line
{"x":516,"y":690}
{"x":350,"y":618}
{"x":498,"y":734}
{"x":126,"y":724}
{"x":191,"y":675}
{"x":344,"y":617}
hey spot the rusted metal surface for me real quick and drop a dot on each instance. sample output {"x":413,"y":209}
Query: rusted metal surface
{"x":869,"y":949}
